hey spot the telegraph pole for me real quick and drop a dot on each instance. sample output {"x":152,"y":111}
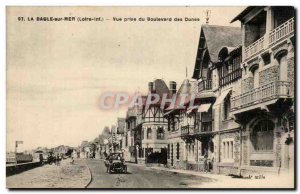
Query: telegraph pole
{"x":16,"y":146}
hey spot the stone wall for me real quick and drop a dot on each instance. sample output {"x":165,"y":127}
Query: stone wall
{"x":245,"y":150}
{"x":228,"y":169}
{"x":247,"y":84}
{"x":236,"y":144}
{"x":178,"y":164}
{"x":291,"y":70}
{"x":277,"y":149}
{"x":269,"y":75}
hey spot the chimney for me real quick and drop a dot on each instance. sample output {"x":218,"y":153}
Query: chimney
{"x":150,"y":87}
{"x":172,"y":87}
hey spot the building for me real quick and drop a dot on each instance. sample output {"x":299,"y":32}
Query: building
{"x":242,"y":117}
{"x":264,"y":107}
{"x":154,"y":127}
{"x":181,"y":125}
{"x":132,"y":139}
{"x":193,"y":141}
{"x":121,"y":127}
{"x":146,"y":129}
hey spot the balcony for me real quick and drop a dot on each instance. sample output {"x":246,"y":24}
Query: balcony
{"x":206,"y":127}
{"x":187,"y":130}
{"x":204,"y":85}
{"x":264,"y":93}
{"x":231,"y":77}
{"x":282,"y":31}
{"x":254,"y":48}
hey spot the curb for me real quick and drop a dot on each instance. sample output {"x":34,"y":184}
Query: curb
{"x":186,"y":172}
{"x":91,"y":177}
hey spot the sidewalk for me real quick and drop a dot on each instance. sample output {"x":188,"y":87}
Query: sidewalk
{"x":65,"y":175}
{"x":224,"y":181}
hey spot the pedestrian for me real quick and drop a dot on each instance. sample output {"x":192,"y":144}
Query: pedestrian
{"x":206,"y":166}
{"x":57,"y":160}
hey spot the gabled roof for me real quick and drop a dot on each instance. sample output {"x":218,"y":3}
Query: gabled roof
{"x":212,"y":39}
{"x":243,"y":13}
{"x":219,"y":36}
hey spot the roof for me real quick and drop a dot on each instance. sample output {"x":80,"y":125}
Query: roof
{"x":113,"y":129}
{"x":220,"y":36}
{"x":160,"y":87}
{"x":215,"y":38}
{"x":188,"y":87}
{"x":243,"y":13}
{"x":121,"y":125}
{"x":229,"y":52}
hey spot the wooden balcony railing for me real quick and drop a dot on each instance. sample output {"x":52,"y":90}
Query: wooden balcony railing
{"x":231,"y":77}
{"x":206,"y":126}
{"x":204,"y":85}
{"x":282,"y":31}
{"x":269,"y":91}
{"x":254,"y":48}
{"x":187,"y":130}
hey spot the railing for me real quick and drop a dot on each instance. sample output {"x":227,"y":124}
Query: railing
{"x":282,"y":31}
{"x":254,"y":48}
{"x":204,"y":85}
{"x":269,"y":91}
{"x":187,"y":130}
{"x":206,"y":126}
{"x":230,"y":77}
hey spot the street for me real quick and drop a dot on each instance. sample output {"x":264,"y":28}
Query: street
{"x":141,"y":177}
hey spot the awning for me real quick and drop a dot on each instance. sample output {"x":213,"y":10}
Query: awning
{"x":204,"y":107}
{"x":189,"y":110}
{"x":221,"y":98}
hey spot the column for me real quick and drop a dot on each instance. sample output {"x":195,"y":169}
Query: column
{"x":269,"y":25}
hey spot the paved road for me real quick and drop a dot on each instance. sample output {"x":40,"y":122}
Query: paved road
{"x":141,"y":177}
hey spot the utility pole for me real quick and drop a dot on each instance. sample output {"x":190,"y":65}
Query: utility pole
{"x":16,"y":146}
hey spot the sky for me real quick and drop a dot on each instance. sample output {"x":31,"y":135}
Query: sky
{"x":57,"y":71}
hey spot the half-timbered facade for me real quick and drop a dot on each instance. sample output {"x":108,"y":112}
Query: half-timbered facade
{"x":154,"y":127}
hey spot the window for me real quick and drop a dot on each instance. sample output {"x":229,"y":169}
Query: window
{"x":262,"y":136}
{"x":149,"y":133}
{"x":227,"y":149}
{"x":177,"y":151}
{"x":142,"y":135}
{"x":291,"y":123}
{"x":227,"y":107}
{"x":282,"y":59}
{"x":255,"y":78}
{"x":168,"y":151}
{"x":160,"y":133}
